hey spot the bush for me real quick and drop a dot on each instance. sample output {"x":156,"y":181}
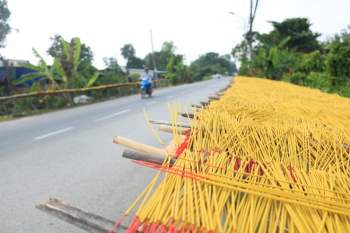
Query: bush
{"x":135,"y":77}
{"x":312,"y":62}
{"x":298,"y":78}
{"x":319,"y":80}
{"x":338,"y":62}
{"x":345,"y":90}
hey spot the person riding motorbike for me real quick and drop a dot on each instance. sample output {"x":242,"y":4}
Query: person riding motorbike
{"x":146,"y":83}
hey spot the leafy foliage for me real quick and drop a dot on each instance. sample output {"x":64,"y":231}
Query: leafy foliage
{"x":162,"y":57}
{"x":72,"y":61}
{"x":299,"y":34}
{"x":71,"y":65}
{"x":4,"y":26}
{"x":291,"y":52}
{"x":338,"y":59}
{"x":43,"y":71}
{"x":92,"y":80}
{"x":135,"y":63}
{"x":212,"y":63}
{"x":128,"y":51}
{"x":113,"y":72}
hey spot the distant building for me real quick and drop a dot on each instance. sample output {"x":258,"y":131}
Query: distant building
{"x":14,"y":63}
{"x":14,"y":69}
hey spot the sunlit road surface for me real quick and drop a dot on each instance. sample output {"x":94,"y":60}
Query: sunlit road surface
{"x":69,"y":154}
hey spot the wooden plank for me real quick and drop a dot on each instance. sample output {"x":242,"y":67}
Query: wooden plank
{"x":84,"y":220}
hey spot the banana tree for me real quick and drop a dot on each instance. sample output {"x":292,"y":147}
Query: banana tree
{"x":43,"y":71}
{"x":64,"y":70}
{"x":69,"y":61}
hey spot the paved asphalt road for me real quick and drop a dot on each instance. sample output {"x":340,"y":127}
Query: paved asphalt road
{"x":69,"y":154}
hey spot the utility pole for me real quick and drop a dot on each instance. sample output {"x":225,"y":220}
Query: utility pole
{"x":7,"y":74}
{"x":249,"y":36}
{"x":153,"y":57}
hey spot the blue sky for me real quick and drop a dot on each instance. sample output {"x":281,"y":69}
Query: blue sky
{"x":195,"y":26}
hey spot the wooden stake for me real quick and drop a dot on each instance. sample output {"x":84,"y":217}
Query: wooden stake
{"x":86,"y":221}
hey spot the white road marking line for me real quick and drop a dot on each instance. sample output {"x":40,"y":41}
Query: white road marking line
{"x":53,"y":133}
{"x":112,"y":115}
{"x":151,"y":103}
{"x":171,"y":96}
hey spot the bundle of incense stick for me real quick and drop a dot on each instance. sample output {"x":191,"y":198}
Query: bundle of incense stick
{"x":266,"y":157}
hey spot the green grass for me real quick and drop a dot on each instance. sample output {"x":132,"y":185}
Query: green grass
{"x":5,"y":118}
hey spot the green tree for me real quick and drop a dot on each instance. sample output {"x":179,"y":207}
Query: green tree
{"x":148,"y":60}
{"x":4,"y":26}
{"x":112,"y":64}
{"x":69,"y":69}
{"x":43,"y":71}
{"x":282,"y":51}
{"x":112,"y":73}
{"x":212,"y":63}
{"x":74,"y":61}
{"x":312,"y":62}
{"x":56,"y":49}
{"x":298,"y":31}
{"x":162,"y":57}
{"x":75,"y":58}
{"x":135,"y":63}
{"x":338,"y":59}
{"x":128,"y":51}
{"x":177,"y":71}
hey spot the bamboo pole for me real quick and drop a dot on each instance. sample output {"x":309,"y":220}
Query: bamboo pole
{"x":220,"y":93}
{"x":182,"y":125}
{"x":204,"y":103}
{"x":213,"y":98}
{"x":186,"y":115}
{"x":65,"y":91}
{"x":145,"y":157}
{"x":197,"y":106}
{"x":170,"y":129}
{"x":131,"y":144}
